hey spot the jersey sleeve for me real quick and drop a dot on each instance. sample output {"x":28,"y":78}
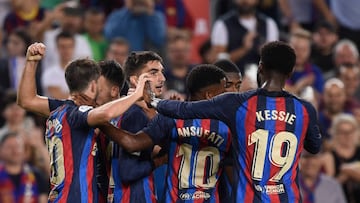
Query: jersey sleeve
{"x":139,"y":168}
{"x":312,"y":141}
{"x":77,"y":116}
{"x":213,"y":109}
{"x":55,"y":103}
{"x":158,"y":128}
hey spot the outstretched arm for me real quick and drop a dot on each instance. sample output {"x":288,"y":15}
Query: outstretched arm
{"x":27,"y":96}
{"x":113,"y":109}
{"x":130,"y":142}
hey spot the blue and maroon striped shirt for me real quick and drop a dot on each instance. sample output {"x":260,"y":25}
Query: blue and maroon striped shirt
{"x":270,"y":129}
{"x":196,"y":150}
{"x":72,"y":149}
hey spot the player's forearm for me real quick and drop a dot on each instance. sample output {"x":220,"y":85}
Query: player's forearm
{"x":27,"y":96}
{"x":181,"y":110}
{"x":238,"y":53}
{"x":128,"y":141}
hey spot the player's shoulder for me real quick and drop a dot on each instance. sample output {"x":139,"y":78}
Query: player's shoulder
{"x":308,"y":106}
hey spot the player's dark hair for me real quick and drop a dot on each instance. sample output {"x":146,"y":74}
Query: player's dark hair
{"x":278,"y":57}
{"x":113,"y":72}
{"x":136,"y":61}
{"x":202,"y":76}
{"x":6,"y":136}
{"x":64,"y":35}
{"x":79,"y":73}
{"x":9,"y":98}
{"x":227,"y":66}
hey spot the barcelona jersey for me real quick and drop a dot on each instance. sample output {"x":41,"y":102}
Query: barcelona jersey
{"x":270,"y":129}
{"x":196,"y":149}
{"x":72,"y":149}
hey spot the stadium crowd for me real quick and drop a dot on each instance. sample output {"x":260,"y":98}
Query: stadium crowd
{"x":325,"y":35}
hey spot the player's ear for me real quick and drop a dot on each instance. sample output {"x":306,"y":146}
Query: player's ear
{"x":133,"y":80}
{"x":115,"y":91}
{"x":209,"y":95}
{"x":93,"y":87}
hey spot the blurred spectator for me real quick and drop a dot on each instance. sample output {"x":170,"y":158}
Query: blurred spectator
{"x":316,"y":187}
{"x":28,"y":15}
{"x":139,"y":23}
{"x":94,"y":24}
{"x":70,"y":21}
{"x":343,"y":160}
{"x":177,"y":17}
{"x":333,"y":104}
{"x":12,"y":66}
{"x":250,"y":78}
{"x":345,"y":15}
{"x":350,"y":75}
{"x":305,"y":73}
{"x":241,"y":32}
{"x":19,"y":182}
{"x":107,"y":5}
{"x":118,"y":50}
{"x":233,"y":75}
{"x":178,"y":63}
{"x":206,"y":53}
{"x":324,"y":40}
{"x":53,"y":78}
{"x":345,"y":52}
{"x":297,"y":14}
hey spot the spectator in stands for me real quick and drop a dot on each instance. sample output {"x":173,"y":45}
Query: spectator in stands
{"x":333,"y":104}
{"x":305,"y":73}
{"x":345,"y":15}
{"x":241,"y":32}
{"x":178,"y":18}
{"x":71,"y":21}
{"x":342,"y":162}
{"x":53,"y":78}
{"x":19,"y":182}
{"x":178,"y":63}
{"x":94,"y":20}
{"x":206,"y":53}
{"x":324,"y":40}
{"x":11,"y":66}
{"x":139,"y":23}
{"x":345,"y":52}
{"x":349,"y":74}
{"x":5,"y":8}
{"x":118,"y":50}
{"x":315,"y":186}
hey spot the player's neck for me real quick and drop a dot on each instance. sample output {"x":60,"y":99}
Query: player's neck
{"x":13,"y":168}
{"x":273,"y":84}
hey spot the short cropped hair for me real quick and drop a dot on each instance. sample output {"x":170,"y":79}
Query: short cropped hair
{"x":79,"y":73}
{"x":113,"y":72}
{"x":136,"y":61}
{"x":202,"y":76}
{"x":64,"y":35}
{"x":227,"y":66}
{"x":278,"y":57}
{"x":9,"y":98}
{"x":6,"y":136}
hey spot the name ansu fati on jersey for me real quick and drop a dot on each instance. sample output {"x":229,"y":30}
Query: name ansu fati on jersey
{"x":267,"y":115}
{"x":201,"y":132}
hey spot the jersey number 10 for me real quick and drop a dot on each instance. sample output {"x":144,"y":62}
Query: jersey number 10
{"x":280,"y":155}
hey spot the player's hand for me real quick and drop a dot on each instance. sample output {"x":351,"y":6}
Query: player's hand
{"x":35,"y":52}
{"x":81,"y":99}
{"x":142,"y":82}
{"x":148,"y":95}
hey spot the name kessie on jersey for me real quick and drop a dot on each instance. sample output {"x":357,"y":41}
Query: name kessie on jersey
{"x":266,"y":115}
{"x":213,"y":137}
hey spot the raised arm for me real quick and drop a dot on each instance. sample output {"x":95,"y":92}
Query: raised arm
{"x":27,"y":96}
{"x":130,"y":142}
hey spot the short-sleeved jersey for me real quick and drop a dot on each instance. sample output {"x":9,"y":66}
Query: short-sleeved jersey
{"x":72,"y":149}
{"x":131,"y":177}
{"x":196,"y":149}
{"x":269,"y":132}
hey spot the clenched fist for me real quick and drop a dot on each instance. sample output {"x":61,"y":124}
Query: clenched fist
{"x":35,"y":52}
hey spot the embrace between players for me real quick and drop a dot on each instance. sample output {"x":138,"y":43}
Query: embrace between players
{"x":198,"y":139}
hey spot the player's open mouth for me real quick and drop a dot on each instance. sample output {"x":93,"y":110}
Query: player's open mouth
{"x":159,"y":88}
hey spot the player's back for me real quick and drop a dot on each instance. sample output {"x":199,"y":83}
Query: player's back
{"x":270,"y":131}
{"x":197,"y":148}
{"x":72,"y":149}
